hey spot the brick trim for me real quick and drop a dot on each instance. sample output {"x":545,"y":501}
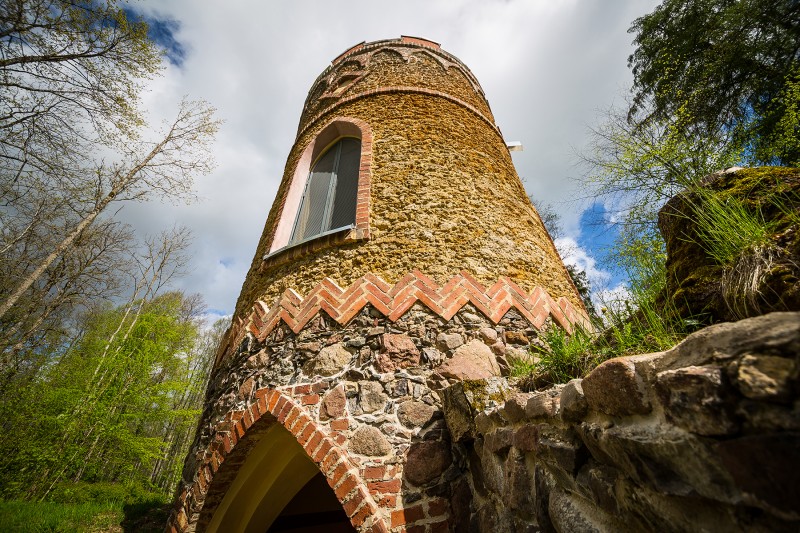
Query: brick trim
{"x":394,"y":300}
{"x":285,"y":407}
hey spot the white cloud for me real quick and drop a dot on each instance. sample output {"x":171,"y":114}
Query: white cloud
{"x":545,"y":67}
{"x":573,"y":254}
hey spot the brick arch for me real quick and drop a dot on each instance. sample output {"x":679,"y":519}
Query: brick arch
{"x":271,"y":406}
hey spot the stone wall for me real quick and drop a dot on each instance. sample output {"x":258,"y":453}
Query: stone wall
{"x":703,"y":437}
{"x":362,"y":401}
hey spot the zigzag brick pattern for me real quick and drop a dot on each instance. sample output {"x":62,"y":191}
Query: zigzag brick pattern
{"x":393,"y":301}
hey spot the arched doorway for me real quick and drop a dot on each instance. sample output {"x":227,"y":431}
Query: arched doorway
{"x":278,"y":488}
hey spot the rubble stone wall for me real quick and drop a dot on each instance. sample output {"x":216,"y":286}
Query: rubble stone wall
{"x":362,"y":401}
{"x":703,"y":437}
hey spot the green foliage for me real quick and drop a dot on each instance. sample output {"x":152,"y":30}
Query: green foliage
{"x":565,"y":357}
{"x":637,"y":168}
{"x":118,"y":407}
{"x":103,"y":492}
{"x":722,"y":65}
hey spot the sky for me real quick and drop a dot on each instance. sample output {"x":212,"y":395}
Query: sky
{"x":548,"y":68}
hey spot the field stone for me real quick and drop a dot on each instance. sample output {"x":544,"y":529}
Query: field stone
{"x":489,"y":335}
{"x":473,"y":360}
{"x":330,"y":360}
{"x":413,"y":414}
{"x":696,"y":399}
{"x":426,"y":461}
{"x":517,"y":337}
{"x":370,"y":396}
{"x":401,"y":350}
{"x":573,"y":402}
{"x":368,"y":440}
{"x":614,"y":388}
{"x":333,"y":404}
{"x":765,"y":377}
{"x":449,"y":341}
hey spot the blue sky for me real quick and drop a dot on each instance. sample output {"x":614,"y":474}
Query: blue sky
{"x":546,"y":68}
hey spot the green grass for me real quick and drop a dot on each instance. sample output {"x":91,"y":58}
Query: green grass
{"x":36,"y":517}
{"x":727,"y":228}
{"x":635,"y":325}
{"x":90,"y":507}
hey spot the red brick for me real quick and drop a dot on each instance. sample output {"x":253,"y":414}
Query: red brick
{"x":338,"y":473}
{"x":310,"y":399}
{"x":290,"y":418}
{"x":261,"y":405}
{"x":379,"y":527}
{"x":181,"y":519}
{"x":392,"y":486}
{"x":361,"y":515}
{"x":300,"y":423}
{"x":227,"y":445}
{"x":284,"y":412}
{"x":340,"y":439}
{"x":437,"y":507}
{"x":301,"y":389}
{"x":408,"y":515}
{"x":280,"y":405}
{"x":388,"y":501}
{"x":322,"y":451}
{"x":255,"y":414}
{"x":313,"y":442}
{"x":440,"y":527}
{"x":330,"y":460}
{"x":340,"y":424}
{"x":348,"y":484}
{"x":272,"y":400}
{"x":375,"y":472}
{"x":309,"y":430}
{"x":351,"y":503}
{"x":319,"y":386}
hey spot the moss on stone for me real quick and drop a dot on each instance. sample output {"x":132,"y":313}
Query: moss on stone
{"x":694,"y":278}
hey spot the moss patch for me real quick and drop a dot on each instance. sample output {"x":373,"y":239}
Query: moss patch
{"x":694,"y":280}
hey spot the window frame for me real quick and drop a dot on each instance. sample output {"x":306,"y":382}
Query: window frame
{"x":280,"y":248}
{"x":330,"y":198}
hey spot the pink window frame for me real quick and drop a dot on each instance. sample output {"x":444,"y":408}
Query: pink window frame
{"x":333,"y":131}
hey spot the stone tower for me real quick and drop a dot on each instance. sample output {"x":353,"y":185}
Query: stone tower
{"x":401,"y":254}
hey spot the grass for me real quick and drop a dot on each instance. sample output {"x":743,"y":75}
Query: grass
{"x":88,"y":507}
{"x":641,"y":323}
{"x":40,"y":517}
{"x":739,"y":239}
{"x":727,"y":228}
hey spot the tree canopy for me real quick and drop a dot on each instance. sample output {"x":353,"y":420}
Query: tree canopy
{"x":730,"y":65}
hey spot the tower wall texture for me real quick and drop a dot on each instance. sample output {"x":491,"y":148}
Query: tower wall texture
{"x":444,"y":194}
{"x":347,"y":339}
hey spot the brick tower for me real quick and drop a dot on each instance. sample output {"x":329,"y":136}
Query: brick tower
{"x":401,"y":254}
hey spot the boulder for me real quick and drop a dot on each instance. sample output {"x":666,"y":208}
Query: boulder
{"x":368,"y":440}
{"x":695,"y":280}
{"x":473,"y":360}
{"x":330,"y":360}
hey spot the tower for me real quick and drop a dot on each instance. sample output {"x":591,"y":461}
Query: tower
{"x":401,"y":254}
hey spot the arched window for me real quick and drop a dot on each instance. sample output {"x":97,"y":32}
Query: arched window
{"x":328,"y":195}
{"x":329,"y":199}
